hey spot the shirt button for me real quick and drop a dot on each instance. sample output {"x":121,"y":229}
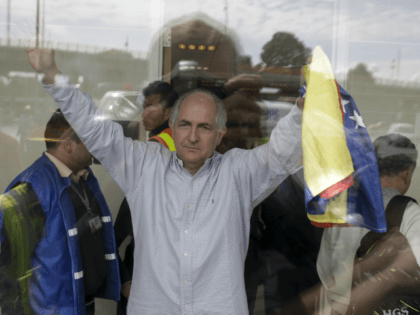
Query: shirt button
{"x":189,"y":206}
{"x":193,"y":181}
{"x":186,"y":305}
{"x":186,"y":231}
{"x":185,"y":254}
{"x":185,"y":281}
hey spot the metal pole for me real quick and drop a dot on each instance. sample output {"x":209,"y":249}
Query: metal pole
{"x":398,"y":63}
{"x":8,"y":22}
{"x":226,"y":16}
{"x":43,"y":23}
{"x":37,"y":23}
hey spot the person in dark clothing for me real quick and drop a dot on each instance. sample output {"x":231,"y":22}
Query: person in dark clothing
{"x":123,"y":228}
{"x":289,"y":244}
{"x":283,"y":247}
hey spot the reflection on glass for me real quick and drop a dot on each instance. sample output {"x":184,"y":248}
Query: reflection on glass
{"x":108,"y":50}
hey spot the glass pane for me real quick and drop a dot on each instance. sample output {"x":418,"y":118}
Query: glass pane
{"x":252,"y":55}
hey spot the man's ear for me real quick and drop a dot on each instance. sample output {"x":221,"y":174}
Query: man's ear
{"x":406,"y":175}
{"x":167,"y":113}
{"x":67,"y":144}
{"x":221,"y":134}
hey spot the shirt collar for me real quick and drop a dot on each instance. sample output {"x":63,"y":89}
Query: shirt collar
{"x":390,"y":191}
{"x":64,"y":171}
{"x":208,"y":162}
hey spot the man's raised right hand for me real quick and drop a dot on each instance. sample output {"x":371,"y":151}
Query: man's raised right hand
{"x":42,"y":61}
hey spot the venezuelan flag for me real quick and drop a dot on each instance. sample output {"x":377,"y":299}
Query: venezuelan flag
{"x":341,"y":174}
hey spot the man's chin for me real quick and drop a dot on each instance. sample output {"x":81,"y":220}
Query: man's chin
{"x":147,"y":127}
{"x":189,"y":155}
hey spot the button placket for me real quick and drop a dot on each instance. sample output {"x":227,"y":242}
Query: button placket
{"x":187,"y":250}
{"x":187,"y":256}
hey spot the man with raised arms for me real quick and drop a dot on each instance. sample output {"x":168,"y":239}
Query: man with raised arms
{"x":190,"y":208}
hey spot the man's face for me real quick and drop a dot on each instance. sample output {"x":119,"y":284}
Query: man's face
{"x":195,"y":131}
{"x":80,"y":155}
{"x":246,"y":124}
{"x":154,"y":113}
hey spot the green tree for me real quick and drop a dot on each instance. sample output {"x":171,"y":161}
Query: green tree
{"x":284,"y":49}
{"x":360,"y":73}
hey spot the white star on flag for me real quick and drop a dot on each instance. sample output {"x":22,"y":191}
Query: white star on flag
{"x":344,"y":103}
{"x":358,"y":119}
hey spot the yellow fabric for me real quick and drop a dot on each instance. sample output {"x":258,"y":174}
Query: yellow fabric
{"x":336,"y":210}
{"x":326,"y":158}
{"x":22,"y":241}
{"x":168,"y":140}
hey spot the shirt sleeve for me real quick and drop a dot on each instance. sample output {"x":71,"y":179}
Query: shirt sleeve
{"x":121,"y":156}
{"x":335,"y":263}
{"x":260,"y":171}
{"x":410,"y":228}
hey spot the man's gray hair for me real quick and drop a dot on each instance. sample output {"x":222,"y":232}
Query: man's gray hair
{"x":221,"y":116}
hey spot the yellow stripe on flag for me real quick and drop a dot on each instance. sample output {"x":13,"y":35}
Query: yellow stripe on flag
{"x":336,"y":211}
{"x":326,"y":157}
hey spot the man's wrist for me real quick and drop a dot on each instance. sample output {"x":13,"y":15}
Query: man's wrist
{"x":51,"y":76}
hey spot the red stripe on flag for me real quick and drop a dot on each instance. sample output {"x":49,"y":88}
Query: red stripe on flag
{"x":339,"y":99}
{"x":330,"y":225}
{"x":322,"y":225}
{"x":338,"y":187}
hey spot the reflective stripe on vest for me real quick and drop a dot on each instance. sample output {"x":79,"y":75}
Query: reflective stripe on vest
{"x":73,"y":232}
{"x":169,"y":142}
{"x":106,"y":219}
{"x":110,"y":256}
{"x":78,"y":275}
{"x":165,"y":138}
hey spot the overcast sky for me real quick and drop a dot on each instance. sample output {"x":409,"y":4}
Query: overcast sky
{"x":378,"y":31}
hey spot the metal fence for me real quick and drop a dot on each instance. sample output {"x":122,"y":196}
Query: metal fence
{"x":65,"y":46}
{"x":397,"y":83}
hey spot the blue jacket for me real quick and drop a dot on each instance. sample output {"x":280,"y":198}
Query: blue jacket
{"x":56,"y":283}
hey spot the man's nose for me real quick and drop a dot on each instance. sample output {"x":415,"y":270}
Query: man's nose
{"x":143,"y":115}
{"x":193,"y":136}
